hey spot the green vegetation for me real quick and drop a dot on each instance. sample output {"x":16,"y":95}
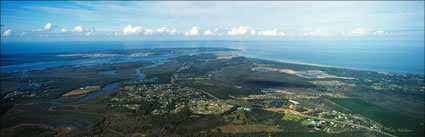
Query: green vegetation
{"x":126,"y":71}
{"x":200,"y":95}
{"x":219,"y":77}
{"x":291,"y":117}
{"x":323,"y":134}
{"x":30,"y":131}
{"x":394,"y":122}
{"x":161,"y":74}
{"x":54,"y":82}
{"x":326,"y":83}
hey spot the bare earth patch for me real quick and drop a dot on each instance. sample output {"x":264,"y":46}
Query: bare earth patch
{"x":82,"y":90}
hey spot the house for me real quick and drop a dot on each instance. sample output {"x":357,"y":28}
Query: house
{"x":317,"y":124}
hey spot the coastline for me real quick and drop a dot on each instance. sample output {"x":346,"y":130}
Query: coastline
{"x":231,"y":52}
{"x":330,"y":66}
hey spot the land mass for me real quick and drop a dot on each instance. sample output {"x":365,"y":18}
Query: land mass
{"x":212,"y":94}
{"x":82,"y":90}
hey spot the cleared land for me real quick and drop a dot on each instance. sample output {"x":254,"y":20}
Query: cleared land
{"x":82,"y":90}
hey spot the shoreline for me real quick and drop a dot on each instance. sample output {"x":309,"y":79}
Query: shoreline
{"x":247,"y":56}
{"x":329,"y":66}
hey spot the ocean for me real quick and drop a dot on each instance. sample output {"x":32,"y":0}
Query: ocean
{"x":387,"y":56}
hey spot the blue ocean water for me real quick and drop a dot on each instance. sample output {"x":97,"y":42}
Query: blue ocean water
{"x":390,"y":56}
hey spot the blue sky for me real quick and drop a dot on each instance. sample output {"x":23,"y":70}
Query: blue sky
{"x":218,"y":20}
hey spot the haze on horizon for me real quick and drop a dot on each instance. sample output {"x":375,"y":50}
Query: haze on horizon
{"x":165,"y":20}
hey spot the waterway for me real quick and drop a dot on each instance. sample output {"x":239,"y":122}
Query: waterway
{"x":110,"y":87}
{"x":378,"y":55}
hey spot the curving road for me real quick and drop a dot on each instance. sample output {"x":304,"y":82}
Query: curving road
{"x":288,"y":111}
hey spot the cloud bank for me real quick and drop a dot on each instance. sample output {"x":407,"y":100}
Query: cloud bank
{"x":192,"y":32}
{"x":273,"y":32}
{"x":167,"y":31}
{"x":241,"y":30}
{"x":211,"y":32}
{"x":8,"y":32}
{"x":129,"y":30}
{"x":365,"y":32}
{"x":317,"y":32}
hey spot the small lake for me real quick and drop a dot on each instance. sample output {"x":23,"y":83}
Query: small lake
{"x":261,"y":70}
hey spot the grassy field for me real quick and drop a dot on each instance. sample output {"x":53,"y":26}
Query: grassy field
{"x":394,"y":122}
{"x":291,"y":117}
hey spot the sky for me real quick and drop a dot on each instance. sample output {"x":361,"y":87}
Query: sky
{"x":212,"y":20}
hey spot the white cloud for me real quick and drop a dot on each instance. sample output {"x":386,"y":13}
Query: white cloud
{"x":381,"y":32}
{"x":252,"y":32}
{"x":129,"y":30}
{"x":317,"y":32}
{"x":46,"y":27}
{"x":8,"y":32}
{"x":77,"y":29}
{"x":272,"y":32}
{"x":242,"y":30}
{"x":162,"y":29}
{"x":172,"y":32}
{"x":365,"y":32}
{"x":80,"y":29}
{"x":211,"y":32}
{"x":64,"y":30}
{"x":357,"y":32}
{"x":148,"y":32}
{"x":165,"y":30}
{"x":193,"y":32}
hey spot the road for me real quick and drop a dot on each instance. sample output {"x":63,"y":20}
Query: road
{"x":212,"y":96}
{"x":302,"y":115}
{"x":288,"y":111}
